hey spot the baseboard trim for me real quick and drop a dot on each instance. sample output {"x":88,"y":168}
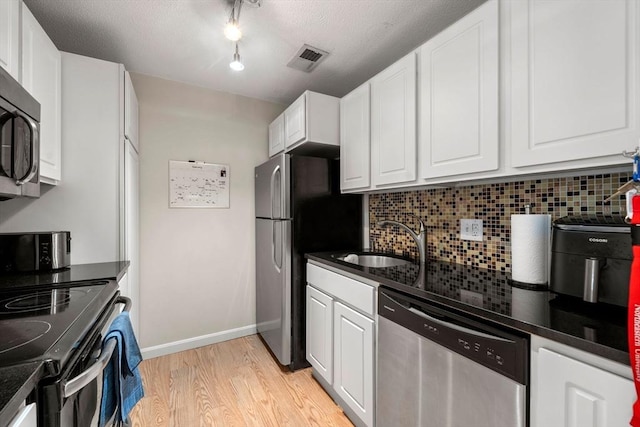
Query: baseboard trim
{"x":195,"y":342}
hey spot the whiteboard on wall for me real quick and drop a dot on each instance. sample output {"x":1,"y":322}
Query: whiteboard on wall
{"x":194,"y":184}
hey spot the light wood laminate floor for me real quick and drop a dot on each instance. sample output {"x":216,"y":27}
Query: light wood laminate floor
{"x":233,"y":383}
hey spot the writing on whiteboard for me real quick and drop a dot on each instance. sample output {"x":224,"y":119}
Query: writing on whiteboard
{"x":198,"y":185}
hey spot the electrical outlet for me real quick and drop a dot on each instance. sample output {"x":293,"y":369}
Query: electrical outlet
{"x":471,"y":229}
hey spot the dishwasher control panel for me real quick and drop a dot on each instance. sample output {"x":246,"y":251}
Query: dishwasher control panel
{"x":502,"y":351}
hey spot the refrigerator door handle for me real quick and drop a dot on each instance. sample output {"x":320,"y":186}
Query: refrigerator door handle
{"x":276,"y":170}
{"x":273,"y":248}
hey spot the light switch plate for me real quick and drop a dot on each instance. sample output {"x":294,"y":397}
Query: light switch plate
{"x":471,"y":229}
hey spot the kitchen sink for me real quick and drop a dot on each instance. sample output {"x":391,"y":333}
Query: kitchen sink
{"x":376,"y":261}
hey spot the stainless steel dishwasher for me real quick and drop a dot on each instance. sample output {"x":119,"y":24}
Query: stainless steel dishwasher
{"x":439,"y":369}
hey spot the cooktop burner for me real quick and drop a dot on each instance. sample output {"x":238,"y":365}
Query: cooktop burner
{"x":51,"y":301}
{"x":22,"y":332}
{"x":49,"y":323}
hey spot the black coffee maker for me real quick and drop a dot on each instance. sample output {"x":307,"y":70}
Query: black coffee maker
{"x":591,"y":258}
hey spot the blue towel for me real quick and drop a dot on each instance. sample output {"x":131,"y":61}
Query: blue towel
{"x":121,"y":382}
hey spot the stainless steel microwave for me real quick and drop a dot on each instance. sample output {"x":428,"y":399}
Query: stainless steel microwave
{"x":19,"y":140}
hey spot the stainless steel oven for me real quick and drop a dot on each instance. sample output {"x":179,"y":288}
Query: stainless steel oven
{"x":439,"y":368}
{"x":73,"y":397}
{"x":19,"y":140}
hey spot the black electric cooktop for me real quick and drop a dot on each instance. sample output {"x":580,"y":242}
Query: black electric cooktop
{"x":598,"y":328}
{"x":49,"y":323}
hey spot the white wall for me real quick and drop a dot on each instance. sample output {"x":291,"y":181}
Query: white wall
{"x":197,"y":275}
{"x":86,"y":200}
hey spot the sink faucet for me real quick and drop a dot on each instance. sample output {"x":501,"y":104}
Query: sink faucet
{"x":420,"y":238}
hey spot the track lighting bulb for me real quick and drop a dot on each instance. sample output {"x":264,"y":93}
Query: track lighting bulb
{"x":236,"y":64}
{"x":232,"y":30}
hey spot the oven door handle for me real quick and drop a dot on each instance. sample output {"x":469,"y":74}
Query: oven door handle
{"x":82,"y":380}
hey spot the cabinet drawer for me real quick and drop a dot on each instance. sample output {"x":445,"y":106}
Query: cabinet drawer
{"x":358,"y":295}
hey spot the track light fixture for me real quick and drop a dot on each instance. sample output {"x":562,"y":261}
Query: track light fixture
{"x":236,"y":64}
{"x":232,"y":30}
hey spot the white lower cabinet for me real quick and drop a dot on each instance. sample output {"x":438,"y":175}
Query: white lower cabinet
{"x":320,"y":332}
{"x":571,"y":388}
{"x":353,"y":360}
{"x":340,"y":340}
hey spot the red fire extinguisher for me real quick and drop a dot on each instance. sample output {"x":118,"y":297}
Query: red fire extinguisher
{"x":633,"y":312}
{"x":633,"y":315}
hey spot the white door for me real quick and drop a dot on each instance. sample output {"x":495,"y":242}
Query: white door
{"x":41,"y":76}
{"x":10,"y":37}
{"x":353,"y":361}
{"x":130,"y":111}
{"x":276,"y":136}
{"x":459,"y":96}
{"x":393,"y":123}
{"x":355,"y":139}
{"x":319,"y":332}
{"x":295,"y":128}
{"x":574,"y":79}
{"x":132,"y":230}
{"x":574,"y":394}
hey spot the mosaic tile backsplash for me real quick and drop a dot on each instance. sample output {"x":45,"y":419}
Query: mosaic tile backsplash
{"x":442,"y":209}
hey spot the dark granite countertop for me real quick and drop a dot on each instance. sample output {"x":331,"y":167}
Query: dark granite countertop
{"x":18,"y":380}
{"x":595,"y":328}
{"x":74,"y":273}
{"x":16,"y":383}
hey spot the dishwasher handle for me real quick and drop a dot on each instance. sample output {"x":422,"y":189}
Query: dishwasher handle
{"x":458,"y":328}
{"x":79,"y":382}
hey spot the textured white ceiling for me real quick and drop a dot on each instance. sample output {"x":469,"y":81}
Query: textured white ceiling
{"x":182,"y":40}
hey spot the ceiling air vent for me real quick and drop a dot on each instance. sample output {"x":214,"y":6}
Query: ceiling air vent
{"x":307,"y":58}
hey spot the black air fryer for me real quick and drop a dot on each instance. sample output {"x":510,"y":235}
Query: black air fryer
{"x":591,"y":258}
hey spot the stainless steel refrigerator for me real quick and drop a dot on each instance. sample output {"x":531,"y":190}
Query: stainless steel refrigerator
{"x":299,"y":209}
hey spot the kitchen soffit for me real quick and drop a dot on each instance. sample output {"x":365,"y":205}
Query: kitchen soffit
{"x":182,"y":40}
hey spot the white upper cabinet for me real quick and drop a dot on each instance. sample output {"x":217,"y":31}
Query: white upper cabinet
{"x":41,"y":76}
{"x":459,"y":96}
{"x":312,"y":125}
{"x":355,"y":139}
{"x":295,"y":123}
{"x":393,"y":123}
{"x":10,"y":37}
{"x":574,"y":79}
{"x":130,"y":112}
{"x":276,"y":136}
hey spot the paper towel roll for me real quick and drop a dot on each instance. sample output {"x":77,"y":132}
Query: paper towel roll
{"x":530,"y":240}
